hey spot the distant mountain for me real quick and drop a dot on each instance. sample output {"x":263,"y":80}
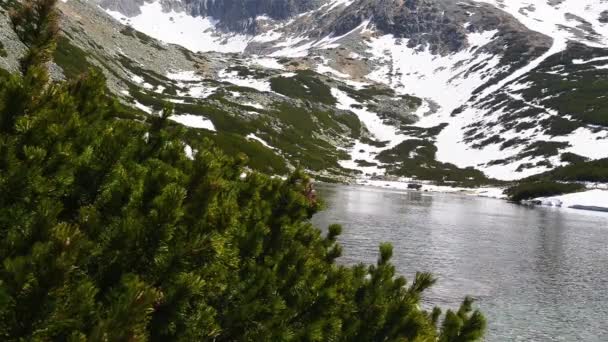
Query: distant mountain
{"x":236,"y":15}
{"x":442,"y":90}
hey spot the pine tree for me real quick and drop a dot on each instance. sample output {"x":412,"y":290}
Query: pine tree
{"x":36,"y":23}
{"x":109,"y":231}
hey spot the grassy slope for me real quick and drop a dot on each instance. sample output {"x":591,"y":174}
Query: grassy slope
{"x":417,"y":158}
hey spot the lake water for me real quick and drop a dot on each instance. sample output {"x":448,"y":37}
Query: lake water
{"x":539,"y":274}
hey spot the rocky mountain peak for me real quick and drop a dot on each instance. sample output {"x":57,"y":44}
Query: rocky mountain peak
{"x":502,"y":87}
{"x":232,"y":15}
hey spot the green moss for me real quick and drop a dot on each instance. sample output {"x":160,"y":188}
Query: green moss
{"x":298,"y":139}
{"x":416,"y":158}
{"x":423,"y":149}
{"x":559,"y":126}
{"x":153,"y":78}
{"x":72,"y":59}
{"x":305,"y":85}
{"x":495,"y":139}
{"x":572,"y":158}
{"x":187,"y":54}
{"x":369,"y":92}
{"x":581,"y":89}
{"x":351,"y":121}
{"x":3,"y":52}
{"x":590,"y":171}
{"x":512,"y":142}
{"x":375,"y":143}
{"x":543,"y":149}
{"x":243,"y":71}
{"x":7,"y":5}
{"x":240,"y":89}
{"x":142,"y":37}
{"x":423,"y":133}
{"x":414,"y":101}
{"x":260,"y":158}
{"x":365,"y":163}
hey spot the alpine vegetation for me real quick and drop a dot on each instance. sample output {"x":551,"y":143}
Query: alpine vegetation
{"x":116,"y":225}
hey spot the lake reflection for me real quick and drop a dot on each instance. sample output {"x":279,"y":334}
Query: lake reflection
{"x":538,"y":274}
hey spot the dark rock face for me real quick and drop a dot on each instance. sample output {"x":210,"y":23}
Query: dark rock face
{"x":604,"y":17}
{"x":440,"y":25}
{"x":424,"y":21}
{"x":233,"y":15}
{"x":127,"y":7}
{"x":239,"y":15}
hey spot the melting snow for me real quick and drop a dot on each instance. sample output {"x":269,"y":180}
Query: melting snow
{"x":447,"y":82}
{"x":137,"y":79}
{"x":324,"y":69}
{"x":260,"y":140}
{"x":143,"y":107}
{"x":444,"y":79}
{"x":233,"y":77}
{"x":581,"y":61}
{"x":336,"y":3}
{"x":194,"y":33}
{"x":194,"y":121}
{"x":556,"y":18}
{"x":592,"y":198}
{"x":188,"y":76}
{"x":441,"y":80}
{"x":197,"y":91}
{"x":189,"y":152}
{"x":376,"y":127}
{"x":300,"y":46}
{"x":254,"y":105}
{"x":270,"y":63}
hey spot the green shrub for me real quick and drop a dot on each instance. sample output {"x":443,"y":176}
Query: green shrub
{"x":417,"y":158}
{"x":572,"y":158}
{"x":72,"y":59}
{"x":589,"y":171}
{"x":111,"y":231}
{"x":305,"y":85}
{"x":3,"y":52}
{"x":529,"y":190}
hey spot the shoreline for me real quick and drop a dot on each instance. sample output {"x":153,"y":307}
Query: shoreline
{"x":591,"y":200}
{"x":486,"y":192}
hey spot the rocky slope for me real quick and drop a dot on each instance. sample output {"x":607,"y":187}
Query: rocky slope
{"x":236,"y":15}
{"x":434,"y":89}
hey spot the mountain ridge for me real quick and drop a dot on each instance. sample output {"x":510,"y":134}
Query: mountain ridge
{"x":441,"y":87}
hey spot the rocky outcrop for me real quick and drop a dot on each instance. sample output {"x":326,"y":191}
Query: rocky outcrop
{"x":239,"y":15}
{"x":233,"y":15}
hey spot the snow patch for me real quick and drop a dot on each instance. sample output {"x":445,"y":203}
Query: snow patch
{"x":194,"y":33}
{"x":260,"y":140}
{"x":189,"y":152}
{"x":142,"y":107}
{"x":249,"y":82}
{"x":269,"y":63}
{"x":556,"y":19}
{"x":592,"y":198}
{"x":375,"y":125}
{"x":181,"y":75}
{"x":324,"y":69}
{"x":443,"y":79}
{"x":254,"y":105}
{"x":194,"y":121}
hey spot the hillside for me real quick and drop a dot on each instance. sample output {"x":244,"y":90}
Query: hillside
{"x":115,"y":226}
{"x":468,"y":92}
